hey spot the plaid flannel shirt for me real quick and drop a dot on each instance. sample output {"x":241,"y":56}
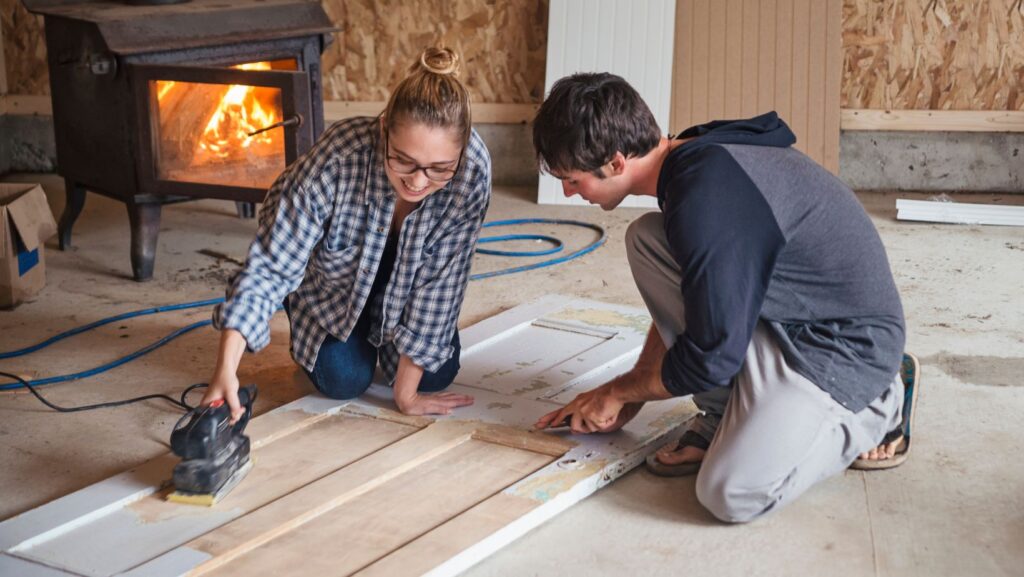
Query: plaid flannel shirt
{"x":322,"y":231}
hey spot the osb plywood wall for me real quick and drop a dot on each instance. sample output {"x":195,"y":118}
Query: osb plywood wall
{"x":897,"y":54}
{"x":24,"y":50}
{"x":502,"y":44}
{"x":933,"y":54}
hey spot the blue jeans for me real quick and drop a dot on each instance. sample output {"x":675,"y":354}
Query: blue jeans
{"x":344,"y":369}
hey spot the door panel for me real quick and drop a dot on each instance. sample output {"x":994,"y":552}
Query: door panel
{"x":353,"y":487}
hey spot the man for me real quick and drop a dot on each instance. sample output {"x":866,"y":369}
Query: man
{"x":771,"y":296}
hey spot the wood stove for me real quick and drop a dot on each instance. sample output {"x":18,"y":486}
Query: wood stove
{"x":162,"y":103}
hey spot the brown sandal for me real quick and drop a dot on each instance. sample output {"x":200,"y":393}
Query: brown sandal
{"x":910,"y":372}
{"x":689,"y":439}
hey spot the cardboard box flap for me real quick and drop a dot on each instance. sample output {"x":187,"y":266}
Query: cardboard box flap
{"x":32,"y":219}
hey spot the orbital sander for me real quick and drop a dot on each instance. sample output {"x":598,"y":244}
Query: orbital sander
{"x":214,"y":453}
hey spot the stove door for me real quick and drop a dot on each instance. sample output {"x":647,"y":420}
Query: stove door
{"x":218,"y":132}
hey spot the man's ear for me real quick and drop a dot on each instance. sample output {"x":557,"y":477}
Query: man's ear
{"x":617,"y":165}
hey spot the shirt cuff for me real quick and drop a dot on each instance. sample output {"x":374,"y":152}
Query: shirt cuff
{"x":429,"y":356}
{"x":247,"y":318}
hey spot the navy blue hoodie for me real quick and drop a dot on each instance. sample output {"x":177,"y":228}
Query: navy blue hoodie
{"x":761,"y":231}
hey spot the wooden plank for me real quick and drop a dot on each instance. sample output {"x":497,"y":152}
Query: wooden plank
{"x":733,"y":70}
{"x":799,"y":36}
{"x":784,"y":58}
{"x":154,"y":525}
{"x":474,"y":523}
{"x":380,"y":511}
{"x":817,"y":90}
{"x":959,"y":212}
{"x":483,"y":112}
{"x":750,"y":75}
{"x":766,"y":57}
{"x":27,"y":105}
{"x":833,"y":84}
{"x":933,"y":120}
{"x":700,"y":50}
{"x":15,"y":567}
{"x":682,"y":69}
{"x":718,"y":40}
{"x":3,"y":67}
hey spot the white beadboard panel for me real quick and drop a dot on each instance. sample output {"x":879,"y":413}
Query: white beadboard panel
{"x":631,"y":38}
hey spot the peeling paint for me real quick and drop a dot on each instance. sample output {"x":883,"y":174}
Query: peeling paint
{"x":605,"y":318}
{"x":535,"y":385}
{"x":497,"y":373}
{"x":550,"y":483}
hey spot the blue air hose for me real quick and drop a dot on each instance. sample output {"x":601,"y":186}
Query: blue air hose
{"x":557,"y":246}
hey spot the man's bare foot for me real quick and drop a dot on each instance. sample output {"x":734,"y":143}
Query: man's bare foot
{"x":883,"y":451}
{"x":672,"y":455}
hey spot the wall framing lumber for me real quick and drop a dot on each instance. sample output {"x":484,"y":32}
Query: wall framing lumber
{"x":934,"y":120}
{"x":483,"y":112}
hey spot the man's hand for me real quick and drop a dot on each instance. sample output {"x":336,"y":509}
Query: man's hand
{"x":432,"y":404}
{"x":596,"y":411}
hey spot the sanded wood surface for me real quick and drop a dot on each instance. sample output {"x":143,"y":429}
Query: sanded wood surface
{"x":311,"y":447}
{"x":364,"y":512}
{"x":353,"y":487}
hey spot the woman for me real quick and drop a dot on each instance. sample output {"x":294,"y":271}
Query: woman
{"x":368,"y":240}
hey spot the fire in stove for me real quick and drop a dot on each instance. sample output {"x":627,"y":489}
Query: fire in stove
{"x":221,"y":133}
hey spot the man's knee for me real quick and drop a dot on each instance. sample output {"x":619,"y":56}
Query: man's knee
{"x":730,"y":502}
{"x":639,"y":234}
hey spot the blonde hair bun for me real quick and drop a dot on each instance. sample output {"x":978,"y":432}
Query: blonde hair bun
{"x":439,"y":61}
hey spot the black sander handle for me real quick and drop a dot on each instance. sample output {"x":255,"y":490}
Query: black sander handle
{"x":246,"y":397}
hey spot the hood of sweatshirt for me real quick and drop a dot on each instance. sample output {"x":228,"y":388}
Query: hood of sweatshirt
{"x":765,"y":130}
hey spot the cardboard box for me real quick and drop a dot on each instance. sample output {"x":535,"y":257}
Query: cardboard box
{"x":25,"y":224}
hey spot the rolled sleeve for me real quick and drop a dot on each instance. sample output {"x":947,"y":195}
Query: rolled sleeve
{"x":291,"y":225}
{"x":431,"y":316}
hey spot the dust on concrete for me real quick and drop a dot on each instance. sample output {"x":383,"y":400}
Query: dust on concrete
{"x":980,"y":370}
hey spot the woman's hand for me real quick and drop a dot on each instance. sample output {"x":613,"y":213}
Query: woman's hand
{"x":432,"y":404}
{"x":225,"y":387}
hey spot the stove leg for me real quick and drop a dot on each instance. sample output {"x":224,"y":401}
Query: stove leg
{"x":145,"y":224}
{"x":246,"y":210}
{"x":75,"y":200}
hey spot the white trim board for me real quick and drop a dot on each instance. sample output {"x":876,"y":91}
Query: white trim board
{"x":959,"y":212}
{"x":100,"y":521}
{"x":632,"y":39}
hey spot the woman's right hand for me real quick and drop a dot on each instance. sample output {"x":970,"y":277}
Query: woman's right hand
{"x":225,"y":387}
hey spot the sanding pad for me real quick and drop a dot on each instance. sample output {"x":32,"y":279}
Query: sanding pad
{"x":211,"y":499}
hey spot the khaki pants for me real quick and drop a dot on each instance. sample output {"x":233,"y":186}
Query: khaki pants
{"x":773,"y":433}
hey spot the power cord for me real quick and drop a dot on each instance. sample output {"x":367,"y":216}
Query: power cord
{"x":181,"y":403}
{"x":30,"y":385}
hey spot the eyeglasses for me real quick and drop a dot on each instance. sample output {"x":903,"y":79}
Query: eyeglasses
{"x":431,"y":172}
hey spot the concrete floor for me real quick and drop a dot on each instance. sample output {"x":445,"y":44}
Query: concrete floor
{"x":956,"y":507}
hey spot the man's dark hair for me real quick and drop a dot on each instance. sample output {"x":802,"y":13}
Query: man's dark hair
{"x":587,"y":118}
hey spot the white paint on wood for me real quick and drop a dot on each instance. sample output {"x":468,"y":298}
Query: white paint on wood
{"x":56,"y":535}
{"x":630,"y":38}
{"x":14,"y":567}
{"x":959,"y":212}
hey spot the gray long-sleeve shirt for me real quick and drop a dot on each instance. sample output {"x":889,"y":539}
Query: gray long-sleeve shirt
{"x":763,"y":232}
